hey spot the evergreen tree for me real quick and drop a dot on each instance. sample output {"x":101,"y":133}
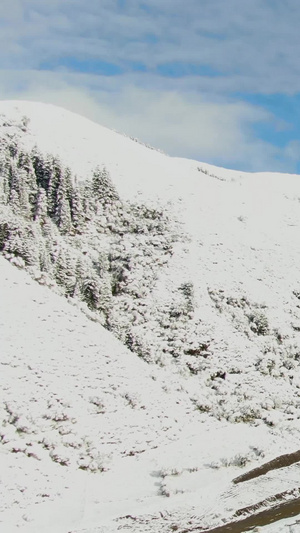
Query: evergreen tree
{"x":13,"y":149}
{"x":65,"y":271}
{"x":21,"y":241}
{"x":28,"y":178}
{"x":62,"y":211}
{"x":77,"y":209}
{"x":54,"y":182}
{"x":41,"y":207}
{"x":102,"y":186}
{"x":44,"y":256}
{"x":47,"y":171}
{"x":24,"y":161}
{"x":31,"y":248}
{"x":42,"y":168}
{"x":4,"y":173}
{"x":19,"y":191}
{"x":14,"y":202}
{"x":68,"y":185}
{"x":51,"y":235}
{"x":89,"y":285}
{"x":4,"y":189}
{"x":90,"y":289}
{"x":38,"y":165}
{"x":88,"y":201}
{"x":25,"y":191}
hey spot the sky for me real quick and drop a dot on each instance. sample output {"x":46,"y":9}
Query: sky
{"x":213,"y":80}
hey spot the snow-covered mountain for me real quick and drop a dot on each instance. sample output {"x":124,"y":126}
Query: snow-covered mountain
{"x":194,"y":271}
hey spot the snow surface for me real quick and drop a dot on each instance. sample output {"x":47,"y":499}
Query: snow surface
{"x":57,"y":368}
{"x":90,"y":433}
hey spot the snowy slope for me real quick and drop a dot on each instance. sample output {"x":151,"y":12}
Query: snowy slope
{"x":71,"y":395}
{"x":237,"y":218}
{"x":244,"y":226}
{"x":77,"y":398}
{"x":83,"y":144}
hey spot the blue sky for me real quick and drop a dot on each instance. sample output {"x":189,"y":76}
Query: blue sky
{"x":214,"y":80}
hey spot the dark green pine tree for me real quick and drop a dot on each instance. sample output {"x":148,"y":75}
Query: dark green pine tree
{"x":38,"y":164}
{"x":25,"y":166}
{"x":68,"y":184}
{"x":63,"y":212}
{"x":54,"y":182}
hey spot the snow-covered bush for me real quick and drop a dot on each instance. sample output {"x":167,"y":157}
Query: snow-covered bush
{"x":239,"y":460}
{"x":258,"y":322}
{"x":170,"y":471}
{"x":60,"y":455}
{"x":98,"y":404}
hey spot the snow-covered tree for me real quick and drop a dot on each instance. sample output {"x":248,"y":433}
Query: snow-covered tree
{"x":41,"y":208}
{"x":102,"y":186}
{"x":55,"y":180}
{"x":65,"y":271}
{"x":77,"y":214}
{"x":4,"y":173}
{"x":63,"y":212}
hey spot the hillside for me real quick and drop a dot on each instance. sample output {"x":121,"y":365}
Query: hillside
{"x":194,"y":270}
{"x":93,"y":439}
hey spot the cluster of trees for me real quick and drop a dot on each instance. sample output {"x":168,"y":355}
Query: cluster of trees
{"x":83,"y":240}
{"x":112,"y":257}
{"x":44,"y":215}
{"x":38,"y":187}
{"x":81,"y":237}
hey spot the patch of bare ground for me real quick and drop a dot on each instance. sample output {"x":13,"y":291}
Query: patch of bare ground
{"x":286,"y":505}
{"x":281,"y":461}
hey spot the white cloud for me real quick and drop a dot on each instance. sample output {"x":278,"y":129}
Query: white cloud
{"x":253,"y":46}
{"x":188,"y":125}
